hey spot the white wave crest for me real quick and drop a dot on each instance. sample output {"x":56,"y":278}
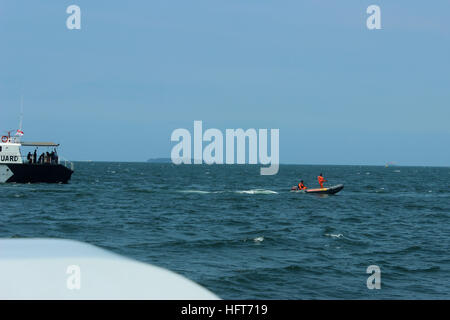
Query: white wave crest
{"x":196,"y":191}
{"x":340,"y":235}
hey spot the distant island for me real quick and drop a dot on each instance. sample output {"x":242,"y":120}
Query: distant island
{"x":160,"y":160}
{"x":163,"y":160}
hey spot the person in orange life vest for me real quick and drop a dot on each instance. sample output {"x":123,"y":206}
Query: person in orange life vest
{"x":321,"y":180}
{"x":301,"y":186}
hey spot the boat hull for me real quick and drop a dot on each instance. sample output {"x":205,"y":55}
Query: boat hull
{"x":330,"y":190}
{"x":33,"y":173}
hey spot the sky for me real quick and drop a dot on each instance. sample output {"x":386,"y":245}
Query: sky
{"x":136,"y":70}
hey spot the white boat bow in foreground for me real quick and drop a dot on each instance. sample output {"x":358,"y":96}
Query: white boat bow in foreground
{"x":66,"y":269}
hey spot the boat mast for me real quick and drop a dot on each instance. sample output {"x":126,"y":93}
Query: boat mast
{"x":21,"y":112}
{"x":21,"y":119}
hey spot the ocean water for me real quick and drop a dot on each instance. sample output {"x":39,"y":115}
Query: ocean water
{"x":245,"y":236}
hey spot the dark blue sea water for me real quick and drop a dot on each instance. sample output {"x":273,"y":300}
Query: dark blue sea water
{"x":246,"y":236}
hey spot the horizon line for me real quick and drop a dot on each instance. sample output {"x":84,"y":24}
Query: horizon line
{"x":259,"y":164}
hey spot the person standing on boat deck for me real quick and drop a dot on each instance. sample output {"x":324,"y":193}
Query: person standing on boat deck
{"x":56,"y":157}
{"x":321,"y":180}
{"x":34,"y":156}
{"x":29,"y":157}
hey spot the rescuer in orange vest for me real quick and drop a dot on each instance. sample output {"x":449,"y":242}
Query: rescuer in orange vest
{"x":321,"y":180}
{"x":301,"y":186}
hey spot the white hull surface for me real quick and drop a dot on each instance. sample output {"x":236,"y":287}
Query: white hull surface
{"x":66,"y":269}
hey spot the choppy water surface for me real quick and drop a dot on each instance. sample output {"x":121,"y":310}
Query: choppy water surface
{"x":243,"y":235}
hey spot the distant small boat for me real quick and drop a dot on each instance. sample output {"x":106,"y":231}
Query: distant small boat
{"x":329,"y":190}
{"x":390,"y":164}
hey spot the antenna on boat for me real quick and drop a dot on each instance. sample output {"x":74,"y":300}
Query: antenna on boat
{"x":21,"y":112}
{"x":19,"y":131}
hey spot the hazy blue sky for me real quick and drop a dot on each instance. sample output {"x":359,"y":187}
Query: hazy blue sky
{"x":137,"y":70}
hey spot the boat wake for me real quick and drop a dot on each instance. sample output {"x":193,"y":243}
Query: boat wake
{"x":199,"y":191}
{"x":257,"y":191}
{"x":251,"y":191}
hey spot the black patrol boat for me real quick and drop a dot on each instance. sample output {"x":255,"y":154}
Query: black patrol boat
{"x":36,"y":166}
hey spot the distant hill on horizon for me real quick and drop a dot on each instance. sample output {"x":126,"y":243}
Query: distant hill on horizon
{"x":159,"y":160}
{"x":162,"y":160}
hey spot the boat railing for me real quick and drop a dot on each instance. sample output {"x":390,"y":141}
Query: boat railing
{"x":10,"y":139}
{"x":61,"y":160}
{"x":68,"y":164}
